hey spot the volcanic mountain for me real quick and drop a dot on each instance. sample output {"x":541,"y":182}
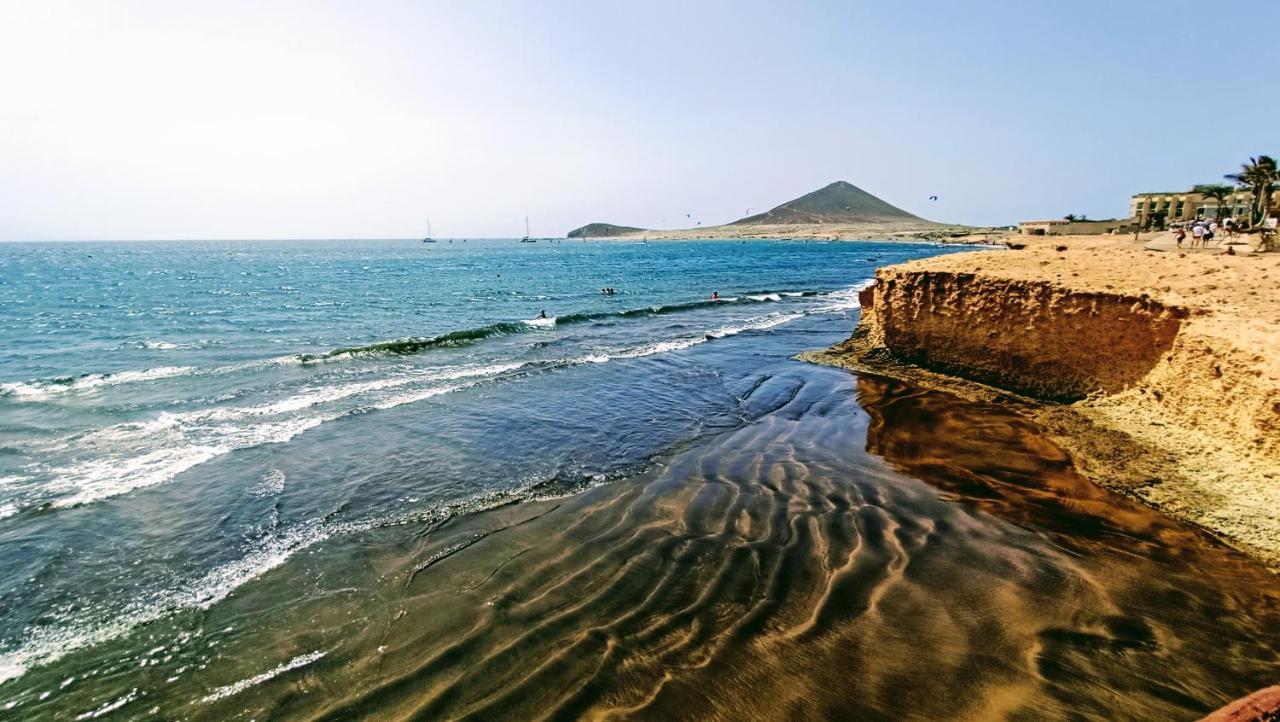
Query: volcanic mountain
{"x":840,"y":202}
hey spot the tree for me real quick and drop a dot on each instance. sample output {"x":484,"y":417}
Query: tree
{"x":1260,"y":177}
{"x":1219,"y":192}
{"x":1156,"y":219}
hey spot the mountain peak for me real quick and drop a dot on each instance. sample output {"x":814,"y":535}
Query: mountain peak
{"x":838,"y":202}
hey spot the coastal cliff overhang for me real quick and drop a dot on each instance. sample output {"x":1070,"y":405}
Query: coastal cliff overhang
{"x":1031,"y":337}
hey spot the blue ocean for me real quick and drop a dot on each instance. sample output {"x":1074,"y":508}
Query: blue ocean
{"x":231,"y":473}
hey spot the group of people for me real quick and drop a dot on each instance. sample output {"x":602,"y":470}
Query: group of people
{"x":1203,"y":231}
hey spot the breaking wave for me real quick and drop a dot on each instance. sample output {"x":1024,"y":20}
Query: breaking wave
{"x":42,"y":389}
{"x":464,"y":337}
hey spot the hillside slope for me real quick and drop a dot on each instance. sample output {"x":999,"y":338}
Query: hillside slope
{"x":840,"y":202}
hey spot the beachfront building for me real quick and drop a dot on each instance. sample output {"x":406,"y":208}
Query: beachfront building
{"x":1189,"y":205}
{"x":1063,"y":227}
{"x":1042,"y":228}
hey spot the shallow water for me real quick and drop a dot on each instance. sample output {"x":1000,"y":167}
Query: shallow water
{"x":691,"y":525}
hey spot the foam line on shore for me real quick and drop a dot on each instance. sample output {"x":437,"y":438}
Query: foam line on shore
{"x":44,"y":644}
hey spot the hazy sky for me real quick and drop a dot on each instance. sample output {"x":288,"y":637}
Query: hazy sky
{"x":363,"y":119}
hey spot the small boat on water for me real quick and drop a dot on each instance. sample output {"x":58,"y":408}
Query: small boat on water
{"x":526,"y":238}
{"x":428,"y":239}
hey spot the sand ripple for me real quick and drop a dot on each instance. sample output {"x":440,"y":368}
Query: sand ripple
{"x":777,"y":572}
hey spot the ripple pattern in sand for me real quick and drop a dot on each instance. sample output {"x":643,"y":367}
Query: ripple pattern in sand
{"x":777,"y":571}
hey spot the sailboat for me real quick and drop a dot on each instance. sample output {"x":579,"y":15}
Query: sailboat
{"x":428,"y":239}
{"x":526,"y":238}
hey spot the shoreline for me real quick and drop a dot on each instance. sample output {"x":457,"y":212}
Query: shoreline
{"x":874,"y":232}
{"x":1157,"y":371}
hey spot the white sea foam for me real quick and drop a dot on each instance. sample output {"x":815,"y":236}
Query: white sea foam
{"x":42,"y":389}
{"x":238,"y":687}
{"x":272,"y":483}
{"x":153,"y":345}
{"x":846,"y":299}
{"x":411,"y":397}
{"x":679,"y":344}
{"x":109,"y":707}
{"x":137,"y":455}
{"x":758,"y":324}
{"x":659,"y":347}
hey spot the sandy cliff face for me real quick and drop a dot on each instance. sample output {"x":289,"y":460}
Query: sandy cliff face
{"x":1141,"y":347}
{"x":1026,"y":336}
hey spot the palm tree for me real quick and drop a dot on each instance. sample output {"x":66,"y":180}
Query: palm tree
{"x":1220,"y":192}
{"x":1260,"y":177}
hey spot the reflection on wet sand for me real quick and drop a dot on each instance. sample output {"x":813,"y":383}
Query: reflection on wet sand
{"x":961,"y":570}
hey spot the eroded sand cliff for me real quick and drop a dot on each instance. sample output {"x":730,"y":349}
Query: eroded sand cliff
{"x":1165,"y":367}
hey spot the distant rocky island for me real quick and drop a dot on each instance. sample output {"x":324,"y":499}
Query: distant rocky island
{"x":602,"y":230}
{"x":840,"y":210}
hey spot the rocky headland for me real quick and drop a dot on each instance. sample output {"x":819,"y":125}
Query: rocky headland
{"x":1159,"y":371}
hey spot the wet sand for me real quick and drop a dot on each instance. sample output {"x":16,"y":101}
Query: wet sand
{"x":856,"y":548}
{"x":959,"y":570}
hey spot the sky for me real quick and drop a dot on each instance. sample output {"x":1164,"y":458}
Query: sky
{"x":174,"y":120}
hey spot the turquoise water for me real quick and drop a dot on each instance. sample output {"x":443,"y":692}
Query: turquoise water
{"x":178,"y":418}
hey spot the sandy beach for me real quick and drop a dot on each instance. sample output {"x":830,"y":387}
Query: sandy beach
{"x":1167,"y":363}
